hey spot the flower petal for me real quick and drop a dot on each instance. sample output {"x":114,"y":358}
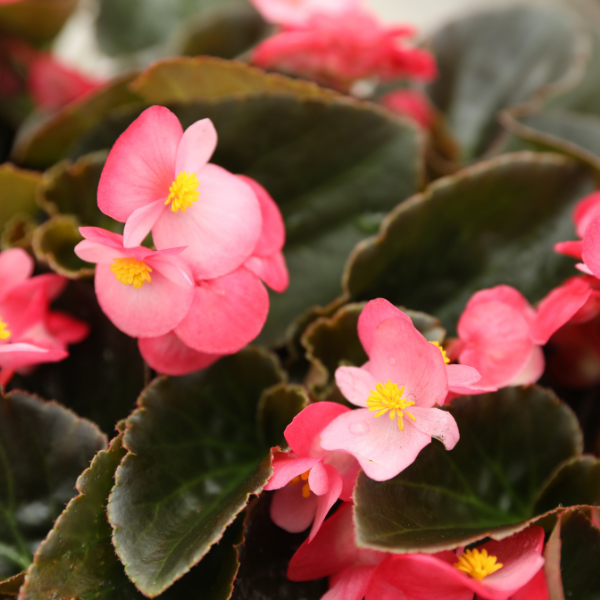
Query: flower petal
{"x":291,"y":511}
{"x":463,"y":379}
{"x":141,"y":221}
{"x":376,"y":442}
{"x":171,"y":266}
{"x":226,"y":314}
{"x":272,"y":270}
{"x":65,"y":328}
{"x":287,"y":466}
{"x":16,"y":266}
{"x":533,"y":369}
{"x":572,"y":249}
{"x":196,"y":146}
{"x":351,"y":584}
{"x":141,"y":165}
{"x":220,"y":230}
{"x":19,"y":355}
{"x":94,"y":252}
{"x":373,"y":314}
{"x":436,"y":423}
{"x":150,"y":311}
{"x":168,"y":355}
{"x":402,"y":355}
{"x":536,"y":589}
{"x":355,"y":384}
{"x":327,"y":480}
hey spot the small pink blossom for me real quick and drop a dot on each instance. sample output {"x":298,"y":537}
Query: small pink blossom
{"x":157,"y":177}
{"x":500,"y":334}
{"x":586,"y":210}
{"x":143,"y":292}
{"x":308,"y":479}
{"x":406,"y":376}
{"x":339,"y":49}
{"x":412,"y":104}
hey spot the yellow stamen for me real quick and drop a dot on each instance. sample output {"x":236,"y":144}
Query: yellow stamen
{"x":305,"y":487}
{"x":130,"y":271}
{"x":4,"y":333}
{"x":444,"y":355}
{"x":388,"y":397}
{"x":183,"y":191}
{"x":477,"y":564}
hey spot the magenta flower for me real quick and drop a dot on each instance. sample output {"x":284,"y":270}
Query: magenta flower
{"x":404,"y":379}
{"x":157,"y":177}
{"x":143,"y":292}
{"x":333,"y":553}
{"x":309,"y":479}
{"x":30,"y":333}
{"x":497,"y":570}
{"x":501,"y":335}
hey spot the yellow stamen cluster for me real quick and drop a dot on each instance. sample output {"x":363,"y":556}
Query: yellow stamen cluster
{"x":477,"y":564}
{"x":4,"y":333}
{"x":445,"y":356}
{"x":388,"y":397}
{"x":183,"y":192}
{"x":130,"y":271}
{"x":305,"y":487}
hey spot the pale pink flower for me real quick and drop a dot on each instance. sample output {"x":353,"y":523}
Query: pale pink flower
{"x":308,"y":479}
{"x":405,"y":378}
{"x":157,"y":177}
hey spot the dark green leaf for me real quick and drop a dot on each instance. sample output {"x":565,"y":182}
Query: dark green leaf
{"x":103,"y":375}
{"x":333,"y":342}
{"x":264,"y":559}
{"x":493,"y":223}
{"x":510,"y":444}
{"x":493,"y":60}
{"x":194,"y":459}
{"x":43,"y":449}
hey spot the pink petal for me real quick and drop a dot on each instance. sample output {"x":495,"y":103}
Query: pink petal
{"x":102,"y":236}
{"x":23,"y":309}
{"x":373,"y":314}
{"x":196,"y":147}
{"x":380,"y":447}
{"x":287,"y":466}
{"x":141,"y":165}
{"x":303,"y":433}
{"x":332,"y":550}
{"x":584,"y":269}
{"x":171,"y":266}
{"x":150,"y":311}
{"x":521,"y":555}
{"x":168,"y":355}
{"x":536,"y":589}
{"x":272,"y":236}
{"x":504,"y":294}
{"x":19,"y":355}
{"x":16,"y":266}
{"x":272,"y":270}
{"x":402,"y":355}
{"x":586,"y":211}
{"x":463,"y":379}
{"x":220,"y":230}
{"x":94,"y":252}
{"x":533,"y":369}
{"x":558,"y":307}
{"x":355,"y":384}
{"x":351,"y":584}
{"x":436,"y":423}
{"x":591,"y":247}
{"x":290,"y":510}
{"x":65,"y":328}
{"x":573,"y":249}
{"x":227,"y":313}
{"x":496,"y":342}
{"x":141,"y":221}
{"x":329,"y":482}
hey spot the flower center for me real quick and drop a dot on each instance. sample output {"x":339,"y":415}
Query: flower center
{"x":183,"y":192}
{"x":4,"y":333}
{"x":444,"y":355}
{"x":130,"y":271}
{"x":477,"y":564}
{"x":388,"y":397}
{"x":305,"y":487}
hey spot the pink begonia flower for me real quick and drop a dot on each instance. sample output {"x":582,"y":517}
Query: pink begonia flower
{"x":299,"y":12}
{"x":30,"y":333}
{"x":500,"y":334}
{"x":143,"y":292}
{"x":157,"y":177}
{"x":339,"y":49}
{"x":586,"y":210}
{"x":494,"y":571}
{"x":52,"y":84}
{"x":333,"y":553}
{"x":412,"y":104}
{"x":308,"y":479}
{"x":406,"y":376}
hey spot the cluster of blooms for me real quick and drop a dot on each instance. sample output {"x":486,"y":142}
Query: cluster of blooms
{"x":30,"y":333}
{"x":199,"y":295}
{"x":338,"y":43}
